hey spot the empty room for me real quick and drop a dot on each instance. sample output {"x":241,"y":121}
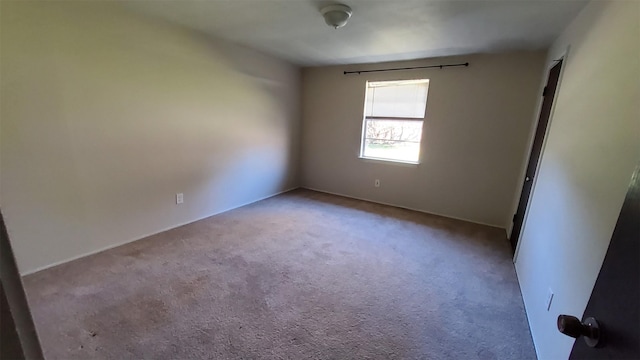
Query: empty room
{"x":302,"y":179}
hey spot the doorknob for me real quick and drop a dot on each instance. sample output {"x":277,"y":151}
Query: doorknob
{"x":572,"y":326}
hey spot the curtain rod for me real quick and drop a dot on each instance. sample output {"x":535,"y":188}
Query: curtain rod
{"x":407,"y":68}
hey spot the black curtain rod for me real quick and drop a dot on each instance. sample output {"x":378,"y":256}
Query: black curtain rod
{"x":407,"y":68}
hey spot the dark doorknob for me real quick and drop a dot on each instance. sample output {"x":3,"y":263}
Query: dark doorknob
{"x":572,"y":326}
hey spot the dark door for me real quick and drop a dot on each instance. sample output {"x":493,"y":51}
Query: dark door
{"x":536,"y":149}
{"x":615,"y":299}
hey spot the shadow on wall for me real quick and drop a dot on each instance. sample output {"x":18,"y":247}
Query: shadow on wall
{"x":131,"y":111}
{"x":239,"y":183}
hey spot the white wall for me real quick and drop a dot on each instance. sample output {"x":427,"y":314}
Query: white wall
{"x":592,"y":147}
{"x":476,"y":129}
{"x":106,"y":115}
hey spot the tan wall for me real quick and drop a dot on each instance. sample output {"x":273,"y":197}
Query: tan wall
{"x":107,"y":115}
{"x":477,"y":125}
{"x":591,"y":150}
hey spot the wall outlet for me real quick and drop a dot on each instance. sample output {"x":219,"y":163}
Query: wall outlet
{"x":179,"y":198}
{"x":549,"y":299}
{"x":376,"y":183}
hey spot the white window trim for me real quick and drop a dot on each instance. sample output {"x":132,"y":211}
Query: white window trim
{"x":364,"y":129}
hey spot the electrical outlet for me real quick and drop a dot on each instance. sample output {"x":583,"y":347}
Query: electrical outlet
{"x":376,"y":183}
{"x":549,"y":298}
{"x":179,"y":198}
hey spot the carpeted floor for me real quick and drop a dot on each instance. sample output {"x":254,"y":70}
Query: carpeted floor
{"x":303,"y":275}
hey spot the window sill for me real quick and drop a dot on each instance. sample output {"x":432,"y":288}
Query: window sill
{"x":390,"y":161}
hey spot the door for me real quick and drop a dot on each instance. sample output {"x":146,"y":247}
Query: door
{"x":543,"y":120}
{"x":615,"y":299}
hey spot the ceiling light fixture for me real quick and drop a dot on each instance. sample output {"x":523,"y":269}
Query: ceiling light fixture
{"x":336,"y":16}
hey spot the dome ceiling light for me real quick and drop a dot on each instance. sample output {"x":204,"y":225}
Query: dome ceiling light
{"x":336,"y":16}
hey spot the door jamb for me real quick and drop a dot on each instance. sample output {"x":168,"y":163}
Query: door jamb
{"x":563,"y":56}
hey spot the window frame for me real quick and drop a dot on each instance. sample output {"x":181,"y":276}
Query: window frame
{"x":365,"y":118}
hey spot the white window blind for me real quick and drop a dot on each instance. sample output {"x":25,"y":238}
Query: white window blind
{"x":406,"y":98}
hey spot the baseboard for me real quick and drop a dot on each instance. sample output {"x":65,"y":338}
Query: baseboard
{"x":526,"y":313}
{"x":402,"y":207}
{"x":26,"y":273}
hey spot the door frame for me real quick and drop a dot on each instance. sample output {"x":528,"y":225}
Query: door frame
{"x":562,"y":56}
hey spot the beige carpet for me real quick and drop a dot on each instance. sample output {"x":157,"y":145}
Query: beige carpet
{"x":303,"y":275}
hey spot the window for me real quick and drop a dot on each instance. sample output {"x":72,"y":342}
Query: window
{"x":393,"y":116}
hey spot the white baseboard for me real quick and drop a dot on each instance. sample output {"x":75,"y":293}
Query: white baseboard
{"x":33,"y":271}
{"x":402,"y":207}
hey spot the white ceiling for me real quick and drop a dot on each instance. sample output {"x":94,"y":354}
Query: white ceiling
{"x":379,"y":30}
